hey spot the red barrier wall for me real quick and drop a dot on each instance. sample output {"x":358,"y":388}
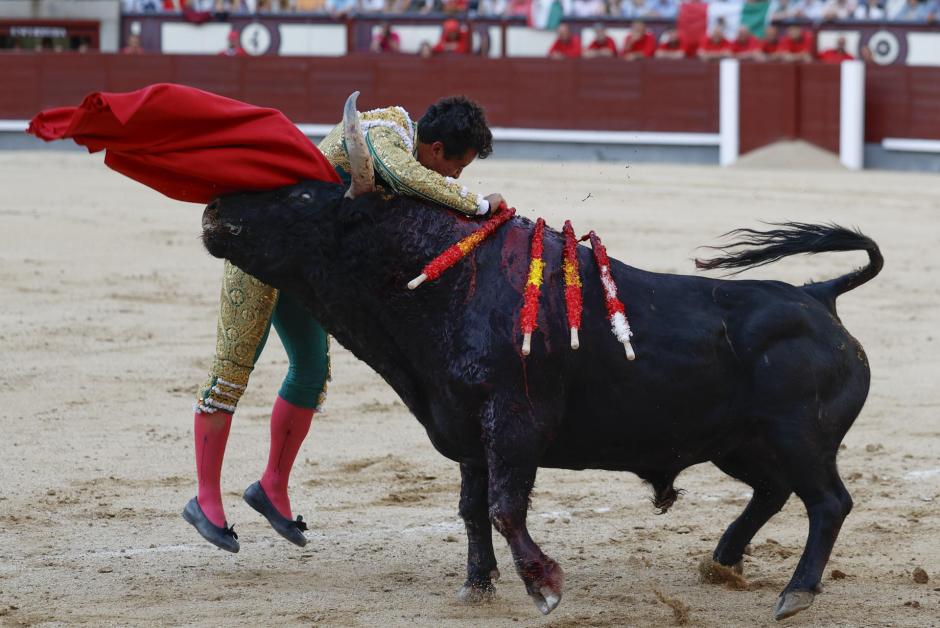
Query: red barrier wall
{"x":818,"y":113}
{"x":777,"y":101}
{"x":768,"y":104}
{"x":902,"y":102}
{"x":531,"y":93}
{"x":784,"y":101}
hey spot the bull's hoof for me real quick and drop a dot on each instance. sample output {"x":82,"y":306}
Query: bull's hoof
{"x":792,"y":602}
{"x":546,"y":592}
{"x":474,"y":594}
{"x":479,"y":591}
{"x":738,"y":567}
{"x":546,"y":600}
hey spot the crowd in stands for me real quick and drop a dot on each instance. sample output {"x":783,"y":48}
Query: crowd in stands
{"x":813,"y":10}
{"x":796,"y":43}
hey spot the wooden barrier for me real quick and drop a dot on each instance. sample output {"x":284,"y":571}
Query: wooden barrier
{"x":902,"y":102}
{"x":605,"y":94}
{"x":776,"y":100}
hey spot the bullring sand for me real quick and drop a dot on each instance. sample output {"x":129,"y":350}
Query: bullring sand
{"x":108,"y":321}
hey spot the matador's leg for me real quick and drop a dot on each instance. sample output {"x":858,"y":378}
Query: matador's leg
{"x":246,"y":307}
{"x":301,"y":394}
{"x":244,"y":321}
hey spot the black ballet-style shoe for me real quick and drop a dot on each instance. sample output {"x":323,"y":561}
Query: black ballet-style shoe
{"x":293,"y":531}
{"x":223,"y":538}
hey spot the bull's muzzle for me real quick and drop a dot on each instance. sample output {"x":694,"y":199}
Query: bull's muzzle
{"x":211,"y":217}
{"x":212,"y":220}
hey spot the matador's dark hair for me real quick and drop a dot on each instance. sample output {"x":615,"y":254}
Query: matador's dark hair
{"x":459,"y":124}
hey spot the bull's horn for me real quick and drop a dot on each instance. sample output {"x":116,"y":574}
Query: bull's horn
{"x":360,"y":161}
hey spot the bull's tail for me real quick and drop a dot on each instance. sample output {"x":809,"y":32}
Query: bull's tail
{"x":757,"y":248}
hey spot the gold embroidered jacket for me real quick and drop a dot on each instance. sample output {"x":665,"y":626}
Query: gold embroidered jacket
{"x":391,"y":137}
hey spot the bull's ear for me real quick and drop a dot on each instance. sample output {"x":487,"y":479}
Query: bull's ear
{"x":360,"y":161}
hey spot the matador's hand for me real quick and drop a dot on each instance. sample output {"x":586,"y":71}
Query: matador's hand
{"x":495,"y":200}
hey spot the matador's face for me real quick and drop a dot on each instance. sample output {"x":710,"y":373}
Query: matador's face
{"x":433,"y":157}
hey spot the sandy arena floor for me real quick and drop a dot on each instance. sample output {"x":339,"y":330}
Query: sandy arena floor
{"x":107,"y":326}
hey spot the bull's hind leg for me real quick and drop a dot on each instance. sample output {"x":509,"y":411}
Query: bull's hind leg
{"x":828,"y":503}
{"x":513,"y":445}
{"x":770,"y":495}
{"x":481,"y":562}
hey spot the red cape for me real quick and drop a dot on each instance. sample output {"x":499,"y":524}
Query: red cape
{"x":188,"y":144}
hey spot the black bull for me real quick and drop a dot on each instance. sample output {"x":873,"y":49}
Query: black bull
{"x":758,"y":377}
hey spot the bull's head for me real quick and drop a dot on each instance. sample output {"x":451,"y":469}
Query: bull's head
{"x":270,"y":234}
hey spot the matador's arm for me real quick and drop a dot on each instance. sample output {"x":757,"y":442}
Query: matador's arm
{"x":398,"y":167}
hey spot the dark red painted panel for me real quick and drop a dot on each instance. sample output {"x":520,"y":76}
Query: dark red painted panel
{"x":818,"y":105}
{"x":777,"y":100}
{"x":536,"y":93}
{"x":902,"y":102}
{"x":768,"y":104}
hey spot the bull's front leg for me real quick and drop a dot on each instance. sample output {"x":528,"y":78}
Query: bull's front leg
{"x":481,"y":562}
{"x":513,"y":444}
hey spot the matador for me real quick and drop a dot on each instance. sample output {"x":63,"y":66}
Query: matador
{"x":422,"y":159}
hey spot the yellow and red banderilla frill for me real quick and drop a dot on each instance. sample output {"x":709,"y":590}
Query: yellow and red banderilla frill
{"x":616,"y":312}
{"x":528,"y":317}
{"x":573,"y":301}
{"x":457,"y":252}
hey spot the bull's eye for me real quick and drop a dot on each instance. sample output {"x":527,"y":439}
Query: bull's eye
{"x":305,"y":196}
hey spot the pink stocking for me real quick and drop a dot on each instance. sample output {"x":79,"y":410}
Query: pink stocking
{"x":211,"y":430}
{"x":289,"y":427}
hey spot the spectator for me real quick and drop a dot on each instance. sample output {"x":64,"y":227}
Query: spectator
{"x":386,"y":40}
{"x":914,"y":11}
{"x":413,"y":6}
{"x":633,"y":8}
{"x":340,"y":8}
{"x":372,"y":6}
{"x":770,"y":47}
{"x":519,"y":7}
{"x":425,"y":51}
{"x":146,"y":6}
{"x":234,"y":48}
{"x":566,"y":45}
{"x":797,"y":44}
{"x":274,"y":6}
{"x":492,"y":7}
{"x":455,"y":39}
{"x":603,"y":45}
{"x":745,"y":45}
{"x":640,"y":43}
{"x":870,"y":10}
{"x":838,"y":9}
{"x":661,"y":8}
{"x":670,"y":46}
{"x":714,"y":45}
{"x":790,"y":10}
{"x":837,"y":54}
{"x":309,"y":6}
{"x":452,"y":7}
{"x":133,"y":46}
{"x":588,"y":8}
